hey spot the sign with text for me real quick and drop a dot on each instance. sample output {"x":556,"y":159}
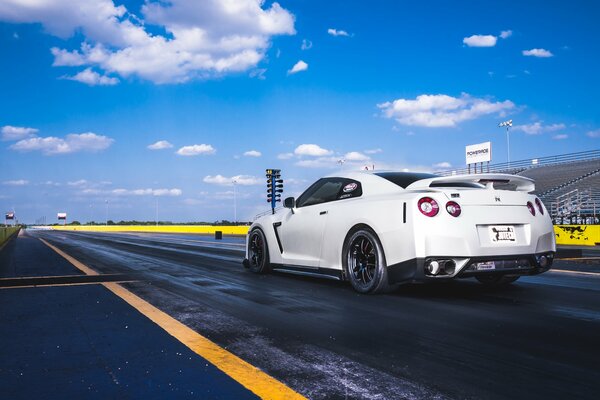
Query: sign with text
{"x":477,"y":153}
{"x":61,"y":216}
{"x":10,"y":215}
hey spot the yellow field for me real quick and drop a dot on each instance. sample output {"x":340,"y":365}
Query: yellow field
{"x":200,"y":229}
{"x":583,"y":235}
{"x":5,"y":233}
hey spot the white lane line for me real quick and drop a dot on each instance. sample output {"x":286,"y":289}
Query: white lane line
{"x":567,"y":271}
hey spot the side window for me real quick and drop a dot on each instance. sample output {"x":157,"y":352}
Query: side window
{"x":329,"y":189}
{"x":325,"y":190}
{"x":350,"y":188}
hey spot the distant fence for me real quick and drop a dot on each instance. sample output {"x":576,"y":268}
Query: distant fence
{"x":199,"y":229}
{"x":7,"y":232}
{"x":517,"y":166}
{"x":583,"y":235}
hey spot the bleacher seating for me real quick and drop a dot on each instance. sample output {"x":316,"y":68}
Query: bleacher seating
{"x":551,"y":178}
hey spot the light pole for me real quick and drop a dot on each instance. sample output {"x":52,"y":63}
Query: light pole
{"x":156,"y":198}
{"x":234,"y":201}
{"x":106,"y":201}
{"x":341,"y":162}
{"x":507,"y":124}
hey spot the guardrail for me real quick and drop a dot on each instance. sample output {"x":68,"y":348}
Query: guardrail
{"x":7,"y":232}
{"x":520,"y":165}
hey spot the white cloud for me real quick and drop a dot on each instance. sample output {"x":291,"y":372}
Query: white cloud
{"x":253,"y":153}
{"x":243,"y":180}
{"x":146,"y":192}
{"x":320,"y":162}
{"x":258,"y":73}
{"x":17,"y":132}
{"x":72,"y":143}
{"x":537,"y":128}
{"x":337,"y":32}
{"x":311,"y":150}
{"x":306,"y":44}
{"x":355,"y":156}
{"x":506,"y":34}
{"x":160,"y":145}
{"x":298,"y":67}
{"x":480,"y":41}
{"x":440,"y":110}
{"x":561,"y":136}
{"x":79,"y":183}
{"x":196,"y":149}
{"x":442,"y":165}
{"x":594,"y":134}
{"x":285,"y":156}
{"x":19,"y":182}
{"x":92,"y":78}
{"x":190,"y":39}
{"x":373,"y":151}
{"x":543,"y":53}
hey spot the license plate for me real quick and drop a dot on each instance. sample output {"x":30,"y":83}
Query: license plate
{"x":485,"y":266}
{"x":502,"y":234}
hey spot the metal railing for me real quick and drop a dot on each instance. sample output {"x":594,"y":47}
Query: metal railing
{"x":518,"y":166}
{"x":576,"y":205}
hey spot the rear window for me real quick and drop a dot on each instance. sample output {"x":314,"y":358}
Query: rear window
{"x":404,"y":179}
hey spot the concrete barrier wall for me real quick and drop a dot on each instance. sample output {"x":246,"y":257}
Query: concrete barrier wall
{"x":582,"y":235}
{"x":6,"y":233}
{"x":200,"y":229}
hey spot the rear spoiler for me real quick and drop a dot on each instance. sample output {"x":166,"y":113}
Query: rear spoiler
{"x":521,"y":183}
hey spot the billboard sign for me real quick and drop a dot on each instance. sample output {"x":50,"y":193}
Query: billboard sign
{"x":61,"y":216}
{"x":477,"y":153}
{"x":10,"y":215}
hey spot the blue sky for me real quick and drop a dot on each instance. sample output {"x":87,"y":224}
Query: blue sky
{"x":295,"y":85}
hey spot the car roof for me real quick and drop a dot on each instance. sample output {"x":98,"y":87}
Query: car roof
{"x":371,"y":181}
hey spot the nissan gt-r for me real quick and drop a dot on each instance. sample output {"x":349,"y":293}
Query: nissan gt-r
{"x":380,"y":229}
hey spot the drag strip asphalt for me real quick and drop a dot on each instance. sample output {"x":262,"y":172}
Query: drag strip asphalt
{"x":535,"y":339}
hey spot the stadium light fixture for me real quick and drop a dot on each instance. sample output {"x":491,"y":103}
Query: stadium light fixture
{"x":508,"y":124}
{"x":234,"y":182}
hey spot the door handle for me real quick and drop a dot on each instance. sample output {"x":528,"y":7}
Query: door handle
{"x":323,"y":213}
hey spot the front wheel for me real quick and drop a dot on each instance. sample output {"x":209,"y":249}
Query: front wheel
{"x":494,"y":280}
{"x":364,"y":262}
{"x":258,"y":252}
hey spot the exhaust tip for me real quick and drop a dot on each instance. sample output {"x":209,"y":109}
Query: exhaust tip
{"x":449,"y":267}
{"x":433,"y":267}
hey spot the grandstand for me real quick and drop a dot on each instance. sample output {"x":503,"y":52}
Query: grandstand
{"x":569,"y":184}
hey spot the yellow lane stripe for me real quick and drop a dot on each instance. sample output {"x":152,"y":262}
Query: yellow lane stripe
{"x":249,"y":376}
{"x":85,"y":269}
{"x":56,"y":284}
{"x":252,"y":378}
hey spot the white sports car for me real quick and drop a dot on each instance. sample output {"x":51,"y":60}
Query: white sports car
{"x":379,"y":229}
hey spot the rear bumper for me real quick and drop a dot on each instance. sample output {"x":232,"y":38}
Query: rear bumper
{"x":415,"y":270}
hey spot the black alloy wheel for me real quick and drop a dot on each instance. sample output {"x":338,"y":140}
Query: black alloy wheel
{"x":258,"y":253}
{"x":364,"y":262}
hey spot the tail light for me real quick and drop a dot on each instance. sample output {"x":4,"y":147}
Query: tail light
{"x":428,"y":206}
{"x":540,"y":208}
{"x":453,"y":208}
{"x":530,"y":208}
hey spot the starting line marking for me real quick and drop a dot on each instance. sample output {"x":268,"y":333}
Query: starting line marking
{"x":252,"y":378}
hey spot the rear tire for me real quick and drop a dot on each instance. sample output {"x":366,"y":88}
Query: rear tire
{"x":364,"y":262}
{"x":258,"y":253}
{"x":497,"y":280}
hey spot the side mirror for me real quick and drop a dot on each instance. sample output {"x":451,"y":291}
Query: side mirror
{"x":289,"y":202}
